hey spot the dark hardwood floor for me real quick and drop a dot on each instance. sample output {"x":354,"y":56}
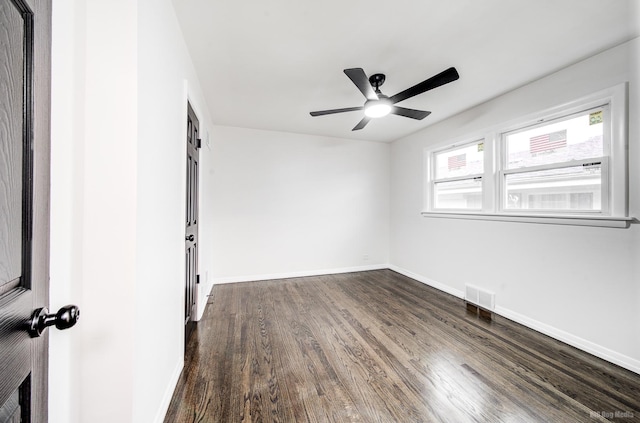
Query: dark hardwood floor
{"x":380,"y":347}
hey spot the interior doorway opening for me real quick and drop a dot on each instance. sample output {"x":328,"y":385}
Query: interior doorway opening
{"x":191,"y":223}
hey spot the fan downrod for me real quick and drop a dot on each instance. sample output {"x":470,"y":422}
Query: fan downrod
{"x":376,"y":80}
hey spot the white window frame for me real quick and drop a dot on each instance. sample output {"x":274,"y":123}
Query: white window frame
{"x":614,"y":210}
{"x":433,"y":180}
{"x":602,"y":160}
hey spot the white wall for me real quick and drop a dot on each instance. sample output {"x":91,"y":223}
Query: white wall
{"x":580,"y":284}
{"x":164,"y":72}
{"x":121,"y":77}
{"x":288,"y":204}
{"x":94,"y":126}
{"x":66,"y":204}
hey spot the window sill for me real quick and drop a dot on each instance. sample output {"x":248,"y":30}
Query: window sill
{"x":600,"y":221}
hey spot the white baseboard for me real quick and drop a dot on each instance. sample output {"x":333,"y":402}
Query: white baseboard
{"x":599,"y":351}
{"x":203,"y":298}
{"x":298,"y":274}
{"x":437,"y":285}
{"x":604,"y":353}
{"x":168,"y":393}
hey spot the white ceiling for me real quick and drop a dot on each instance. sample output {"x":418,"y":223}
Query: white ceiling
{"x":266,"y":64}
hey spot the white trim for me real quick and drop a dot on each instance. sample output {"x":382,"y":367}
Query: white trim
{"x":616,"y":93}
{"x":168,"y":393}
{"x":576,"y":220}
{"x":474,"y":177}
{"x":201,"y":306}
{"x":298,"y":274}
{"x":599,"y":351}
{"x":592,"y":161}
{"x":604,"y":353}
{"x":619,"y":172}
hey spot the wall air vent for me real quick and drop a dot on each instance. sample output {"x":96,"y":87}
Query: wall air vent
{"x":479,"y":300}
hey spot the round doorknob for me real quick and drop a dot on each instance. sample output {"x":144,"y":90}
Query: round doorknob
{"x":65,"y":318}
{"x":190,"y":237}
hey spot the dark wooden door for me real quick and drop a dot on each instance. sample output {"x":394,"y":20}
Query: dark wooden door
{"x":25,"y":39}
{"x":191,"y":238}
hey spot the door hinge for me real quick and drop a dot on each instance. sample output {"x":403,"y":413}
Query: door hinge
{"x":199,"y":143}
{"x":197,"y":279}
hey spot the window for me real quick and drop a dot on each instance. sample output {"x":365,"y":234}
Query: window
{"x":556,"y":166}
{"x":457,"y":181}
{"x":564,"y":165}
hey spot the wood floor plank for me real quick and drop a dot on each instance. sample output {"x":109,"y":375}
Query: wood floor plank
{"x":380,"y":347}
{"x":510,"y":356}
{"x":458,"y":403}
{"x":521,"y":353}
{"x":536,"y":352}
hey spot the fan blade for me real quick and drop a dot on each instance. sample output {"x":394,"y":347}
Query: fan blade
{"x":442,"y":78}
{"x":362,"y":123}
{"x":358,"y":77}
{"x":410,"y":113}
{"x":330,"y":112}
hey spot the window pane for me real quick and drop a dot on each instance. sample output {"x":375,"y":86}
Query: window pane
{"x":465,"y":194}
{"x":575,"y":188}
{"x":463,"y":161}
{"x":577,"y":138}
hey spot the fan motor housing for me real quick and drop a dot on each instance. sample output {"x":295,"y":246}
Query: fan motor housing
{"x":377,"y":79}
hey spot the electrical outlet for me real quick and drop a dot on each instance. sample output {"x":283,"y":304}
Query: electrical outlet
{"x":365,"y":257}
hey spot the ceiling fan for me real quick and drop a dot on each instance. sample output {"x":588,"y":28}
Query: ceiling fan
{"x":379,"y":105}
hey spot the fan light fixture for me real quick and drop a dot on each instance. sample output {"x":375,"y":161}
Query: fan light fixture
{"x":379,"y":105}
{"x":377,"y":108}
